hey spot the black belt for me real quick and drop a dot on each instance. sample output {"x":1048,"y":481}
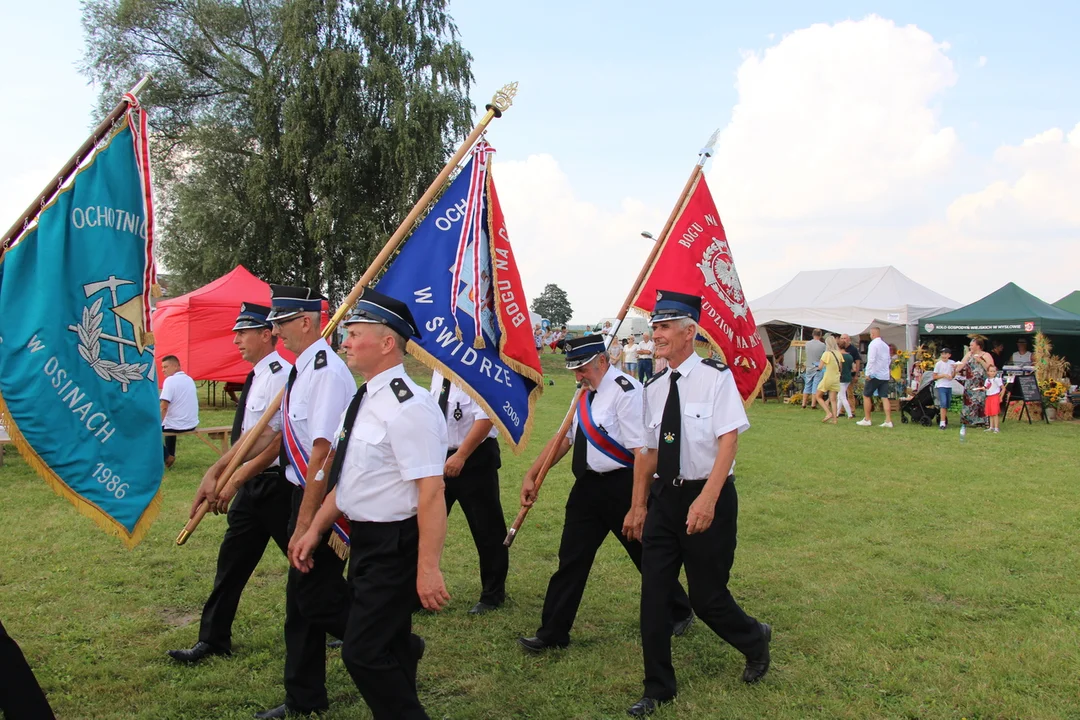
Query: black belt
{"x":680,"y":481}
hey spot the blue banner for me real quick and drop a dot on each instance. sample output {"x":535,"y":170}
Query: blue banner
{"x":471,"y":310}
{"x":77,"y":381}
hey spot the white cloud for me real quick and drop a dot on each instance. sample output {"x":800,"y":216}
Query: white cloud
{"x":592,"y":253}
{"x":982,"y":61}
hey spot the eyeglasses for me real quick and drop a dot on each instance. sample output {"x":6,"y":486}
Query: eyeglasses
{"x":279,"y":323}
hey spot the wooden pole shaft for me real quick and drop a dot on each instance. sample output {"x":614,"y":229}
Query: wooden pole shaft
{"x":69,"y":168}
{"x":634,"y":289}
{"x":376,"y":266}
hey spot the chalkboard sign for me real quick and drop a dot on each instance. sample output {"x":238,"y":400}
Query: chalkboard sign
{"x":1026,"y":387}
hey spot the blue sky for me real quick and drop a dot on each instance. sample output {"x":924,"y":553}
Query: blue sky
{"x":850,"y":139}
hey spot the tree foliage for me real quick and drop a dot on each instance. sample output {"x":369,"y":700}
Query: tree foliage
{"x":291,"y":136}
{"x":553,"y":304}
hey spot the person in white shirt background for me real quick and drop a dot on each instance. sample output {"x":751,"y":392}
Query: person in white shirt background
{"x":944,"y":370}
{"x":630,"y":357}
{"x":877,"y":379}
{"x":993,"y":387}
{"x":645,"y":358}
{"x":179,"y":404}
{"x":1022,"y":356}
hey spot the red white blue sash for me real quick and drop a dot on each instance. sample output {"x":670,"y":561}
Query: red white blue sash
{"x":598,"y":436}
{"x":298,"y":459}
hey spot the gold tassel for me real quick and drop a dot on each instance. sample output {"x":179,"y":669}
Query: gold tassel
{"x":338,"y":546}
{"x":147,"y":338}
{"x":457,"y":333}
{"x":478,"y":342}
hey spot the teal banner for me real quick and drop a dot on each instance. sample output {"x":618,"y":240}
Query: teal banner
{"x":77,"y":382}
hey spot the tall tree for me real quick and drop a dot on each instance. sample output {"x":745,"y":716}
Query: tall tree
{"x":553,"y":304}
{"x":291,"y":136}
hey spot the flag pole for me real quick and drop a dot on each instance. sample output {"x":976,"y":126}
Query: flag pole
{"x":499,"y":104}
{"x":46,"y":195}
{"x":703,"y":155}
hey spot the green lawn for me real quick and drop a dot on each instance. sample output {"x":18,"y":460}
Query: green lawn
{"x":906,"y":575}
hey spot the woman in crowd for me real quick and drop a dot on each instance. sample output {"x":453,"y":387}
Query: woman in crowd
{"x":615,"y":353}
{"x":829,"y":385}
{"x":973,"y":367}
{"x":845,"y":382}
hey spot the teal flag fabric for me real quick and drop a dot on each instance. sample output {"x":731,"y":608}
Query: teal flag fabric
{"x":78,"y":389}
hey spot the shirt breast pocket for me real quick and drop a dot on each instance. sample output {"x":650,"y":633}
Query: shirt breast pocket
{"x":698,"y":421}
{"x":365,"y":440}
{"x":606,"y":420}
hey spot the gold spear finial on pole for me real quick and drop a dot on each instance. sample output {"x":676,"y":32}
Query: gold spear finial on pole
{"x":502,"y":99}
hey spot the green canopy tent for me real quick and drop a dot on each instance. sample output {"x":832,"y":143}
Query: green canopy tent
{"x":1070,"y":302}
{"x":1010,"y":310}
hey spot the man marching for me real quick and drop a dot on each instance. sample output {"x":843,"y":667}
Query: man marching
{"x":261,"y":510}
{"x":606,"y":433}
{"x":693,"y":416}
{"x":386,"y":477}
{"x":472,"y":479}
{"x":317,"y":393}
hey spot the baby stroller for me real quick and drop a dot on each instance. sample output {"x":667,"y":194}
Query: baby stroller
{"x":920,"y":407}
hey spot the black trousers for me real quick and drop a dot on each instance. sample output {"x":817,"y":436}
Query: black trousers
{"x":259,"y":513}
{"x":170,"y":441}
{"x":316,"y":604}
{"x":477,"y":490}
{"x":597,"y":506}
{"x":21,"y":697}
{"x":380,"y":651}
{"x":708,"y":557}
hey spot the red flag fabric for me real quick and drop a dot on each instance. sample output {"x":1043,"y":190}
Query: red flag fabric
{"x":695,"y":258}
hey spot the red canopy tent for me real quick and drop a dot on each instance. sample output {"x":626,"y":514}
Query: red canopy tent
{"x":197,"y":327}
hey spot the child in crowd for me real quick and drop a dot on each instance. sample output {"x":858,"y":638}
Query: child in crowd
{"x":944,"y":370}
{"x":993,"y":388}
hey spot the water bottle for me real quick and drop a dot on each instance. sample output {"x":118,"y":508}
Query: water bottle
{"x":963,"y":432}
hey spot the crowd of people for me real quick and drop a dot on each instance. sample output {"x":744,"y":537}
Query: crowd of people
{"x":833,"y":365}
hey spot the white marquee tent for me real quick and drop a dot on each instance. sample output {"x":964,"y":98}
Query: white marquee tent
{"x":851,"y":301}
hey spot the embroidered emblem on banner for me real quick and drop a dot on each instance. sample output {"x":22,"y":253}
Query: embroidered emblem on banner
{"x":91,"y":334}
{"x":721,"y":278}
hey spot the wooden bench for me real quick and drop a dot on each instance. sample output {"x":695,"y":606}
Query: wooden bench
{"x":209,"y":435}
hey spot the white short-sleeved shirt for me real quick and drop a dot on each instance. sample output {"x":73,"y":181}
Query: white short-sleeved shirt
{"x":320,"y":394}
{"x":618,"y":411}
{"x":630,"y":353}
{"x":271,"y":374}
{"x":877,"y":360}
{"x":183,"y":412}
{"x":458,"y":425}
{"x":944,"y":367}
{"x":711,"y":407}
{"x":1019,"y":358}
{"x":993,"y":386}
{"x":645,"y":350}
{"x":397,"y":438}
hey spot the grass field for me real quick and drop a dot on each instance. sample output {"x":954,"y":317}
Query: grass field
{"x":906,"y":575}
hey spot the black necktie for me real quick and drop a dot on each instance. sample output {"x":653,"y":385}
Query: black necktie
{"x":580,"y":462}
{"x":241,"y":406}
{"x":343,"y":443}
{"x":283,"y":458}
{"x":444,"y":396}
{"x":667,"y":453}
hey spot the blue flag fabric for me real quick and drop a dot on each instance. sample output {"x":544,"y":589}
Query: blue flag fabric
{"x":77,"y":383}
{"x":461,"y":252}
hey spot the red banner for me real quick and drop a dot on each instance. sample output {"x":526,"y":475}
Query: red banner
{"x":695,"y":258}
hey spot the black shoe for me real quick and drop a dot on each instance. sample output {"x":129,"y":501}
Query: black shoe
{"x":334,"y":644}
{"x":418,"y":646}
{"x":683,"y":625}
{"x":196,"y":653}
{"x":284,"y":711}
{"x":755,"y":669}
{"x":482,"y":607}
{"x":645,"y":706}
{"x":535,"y":645}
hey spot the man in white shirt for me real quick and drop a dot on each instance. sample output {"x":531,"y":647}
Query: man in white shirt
{"x":386,"y":478}
{"x":606,"y":431}
{"x":645,"y":357}
{"x":685,"y":506}
{"x":261,"y":510}
{"x":179,"y":404}
{"x":471,"y":474}
{"x":1022,"y":356}
{"x":877,"y":379}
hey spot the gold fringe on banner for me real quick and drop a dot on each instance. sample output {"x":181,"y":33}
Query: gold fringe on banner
{"x":84,"y":506}
{"x":338,"y":545}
